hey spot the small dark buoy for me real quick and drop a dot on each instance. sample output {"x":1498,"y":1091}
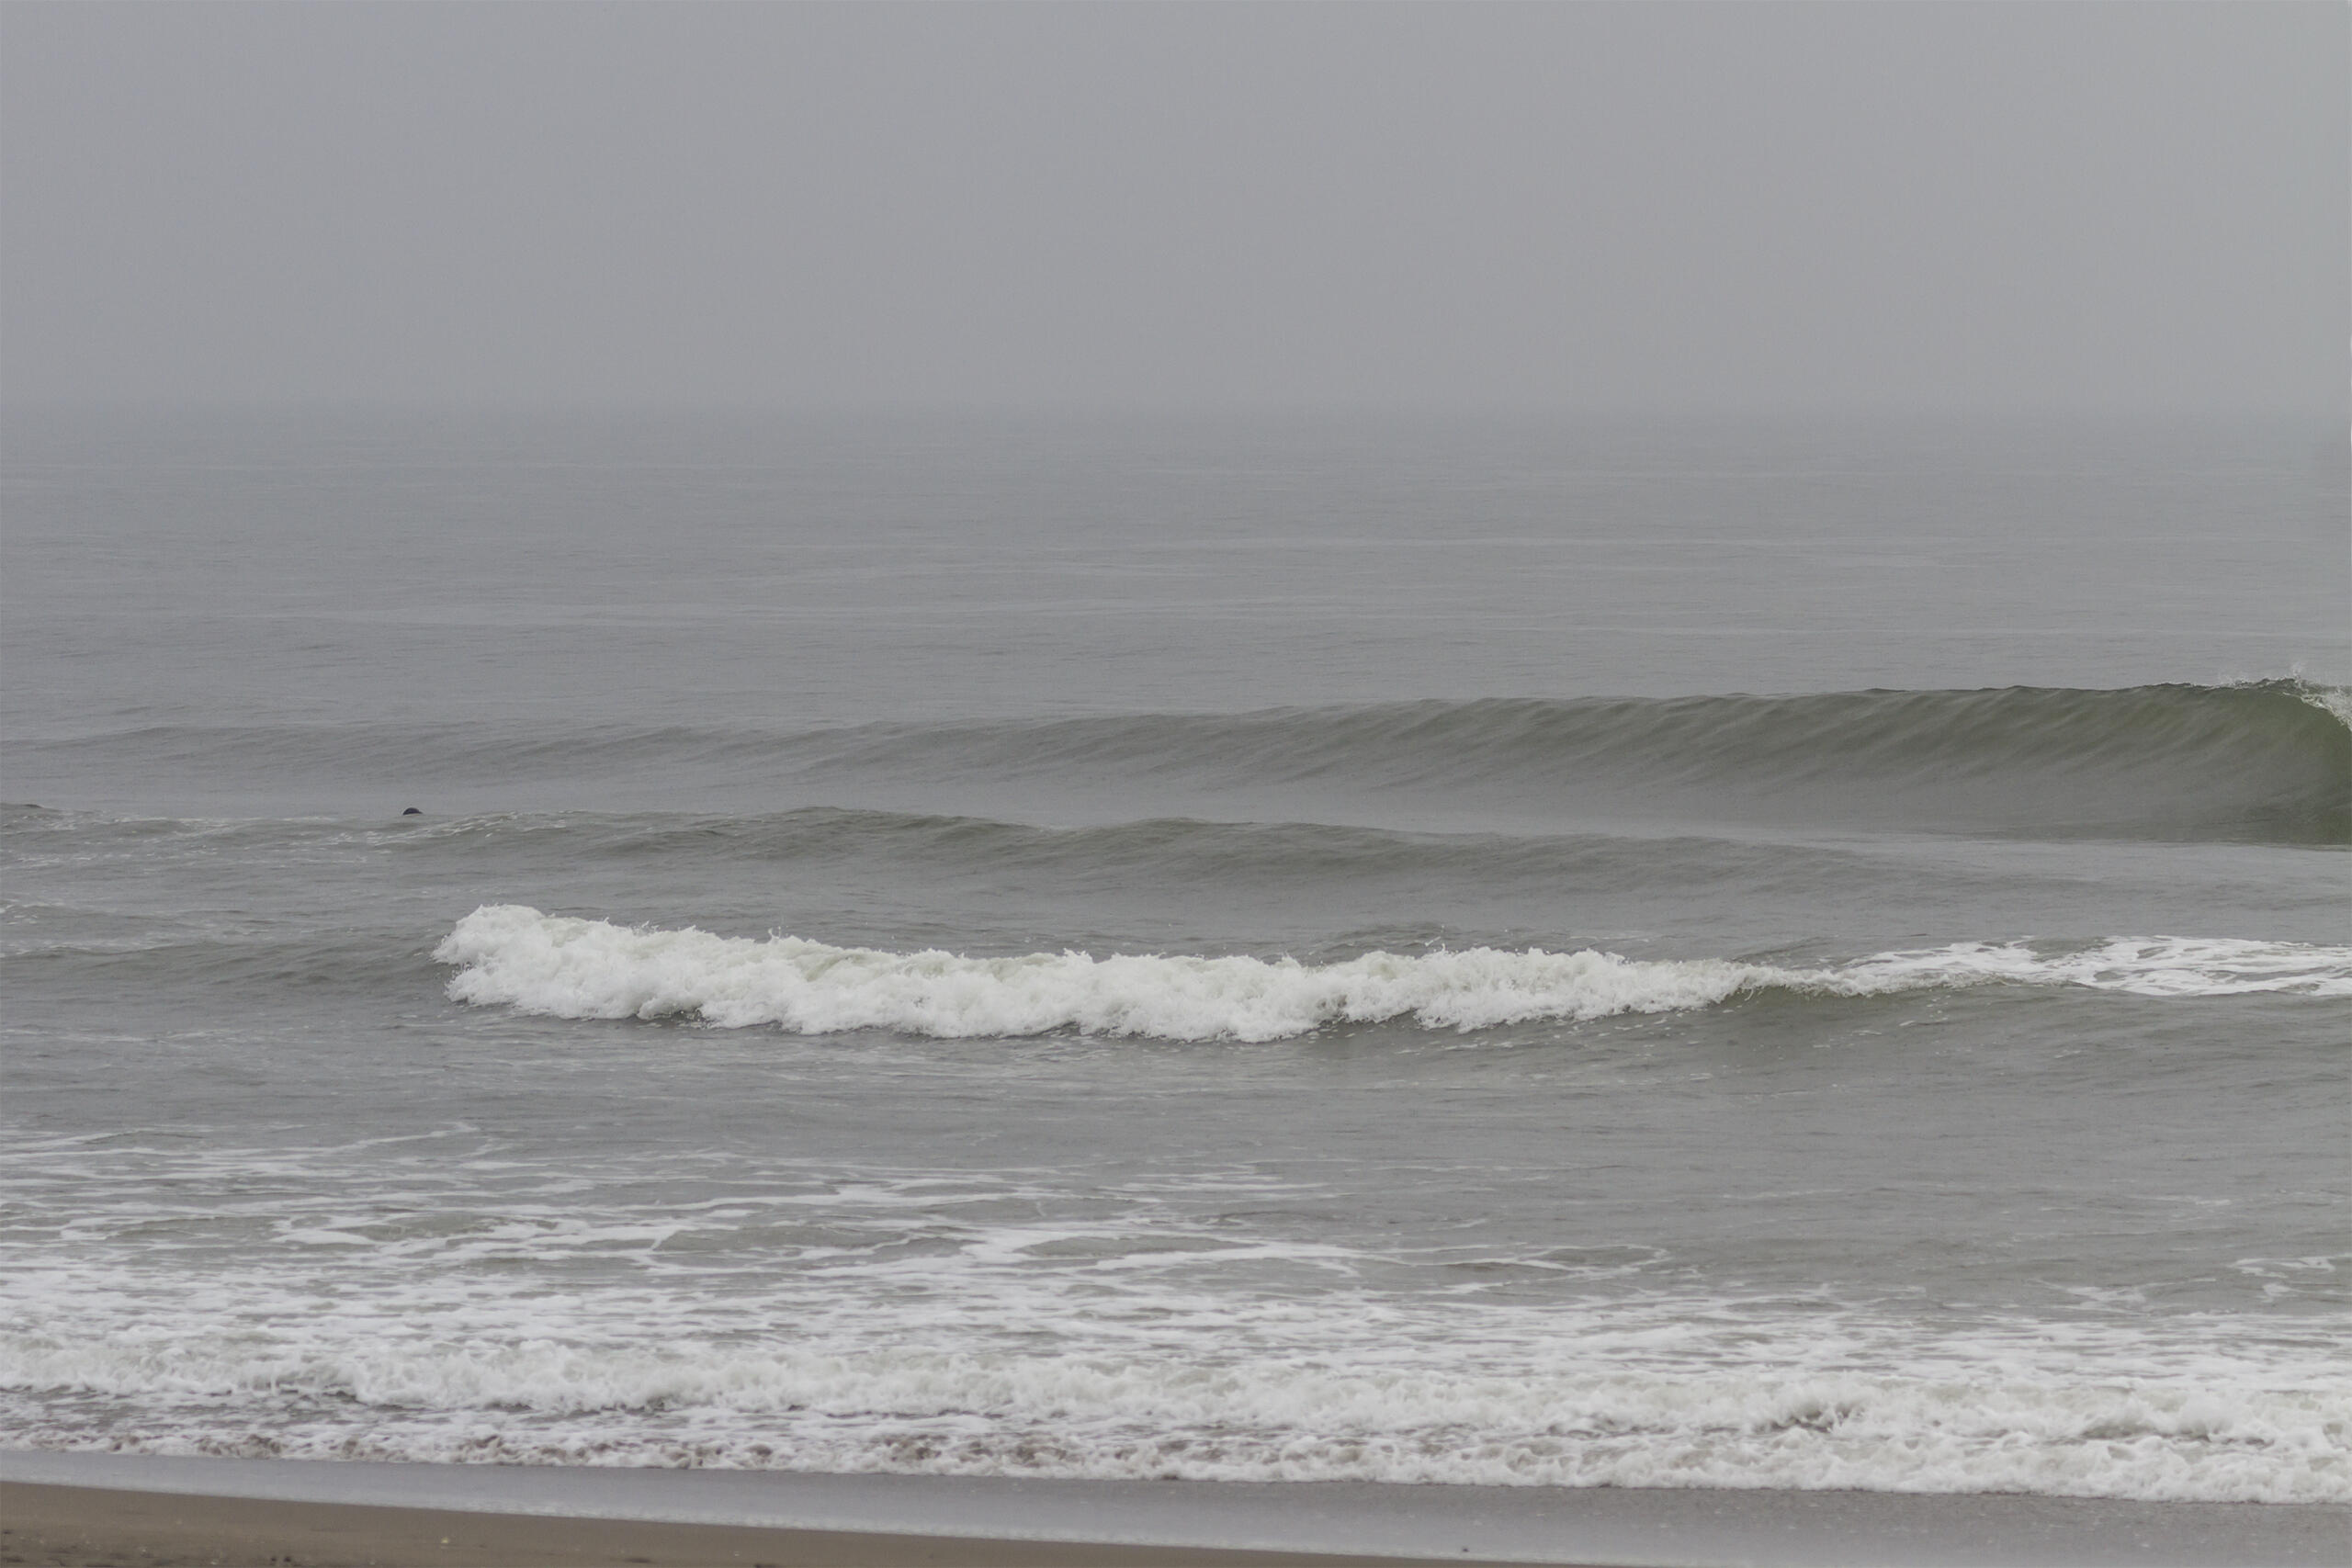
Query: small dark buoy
{"x":411,"y":811}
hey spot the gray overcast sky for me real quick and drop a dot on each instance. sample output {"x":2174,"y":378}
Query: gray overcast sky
{"x":1591,"y":206}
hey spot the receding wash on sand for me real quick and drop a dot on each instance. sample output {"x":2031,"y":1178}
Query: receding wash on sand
{"x":54,"y":1507}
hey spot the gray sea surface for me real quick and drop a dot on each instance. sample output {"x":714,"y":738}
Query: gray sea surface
{"x":1345,"y":948}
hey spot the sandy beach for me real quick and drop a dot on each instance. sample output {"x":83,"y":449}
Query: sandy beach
{"x":73,"y":1527}
{"x":71,"y":1509}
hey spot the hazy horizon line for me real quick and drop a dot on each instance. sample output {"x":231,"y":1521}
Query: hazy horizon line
{"x":1876,"y":412}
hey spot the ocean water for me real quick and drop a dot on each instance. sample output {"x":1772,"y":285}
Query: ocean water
{"x":1482,"y":952}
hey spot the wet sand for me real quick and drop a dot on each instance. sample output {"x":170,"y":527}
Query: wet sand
{"x":151,"y":1510}
{"x":73,"y":1527}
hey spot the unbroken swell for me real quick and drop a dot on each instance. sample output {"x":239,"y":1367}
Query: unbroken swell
{"x":2264,"y":761}
{"x":2267,"y":761}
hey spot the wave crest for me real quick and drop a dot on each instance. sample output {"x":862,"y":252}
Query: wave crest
{"x":515,"y":956}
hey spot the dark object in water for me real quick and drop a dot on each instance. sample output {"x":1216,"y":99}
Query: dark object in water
{"x":411,"y":811}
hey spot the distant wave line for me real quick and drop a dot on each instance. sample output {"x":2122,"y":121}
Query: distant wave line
{"x":2266,"y":760}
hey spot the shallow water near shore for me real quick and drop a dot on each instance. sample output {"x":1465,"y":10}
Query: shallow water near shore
{"x":1271,"y":953}
{"x":362,"y":1512}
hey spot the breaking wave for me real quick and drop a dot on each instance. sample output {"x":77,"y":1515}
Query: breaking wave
{"x":515,"y":956}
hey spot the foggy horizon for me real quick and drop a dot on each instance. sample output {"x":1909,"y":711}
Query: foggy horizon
{"x":1601,"y":211}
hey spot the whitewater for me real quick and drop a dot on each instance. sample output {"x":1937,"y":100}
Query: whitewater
{"x":577,"y":968}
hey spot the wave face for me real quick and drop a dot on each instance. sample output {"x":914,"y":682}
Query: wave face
{"x":553,"y":965}
{"x":2262,"y":761}
{"x":2267,"y":762}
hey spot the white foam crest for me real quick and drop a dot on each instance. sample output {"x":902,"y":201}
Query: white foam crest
{"x":2146,"y":967}
{"x":515,"y":956}
{"x":2334,"y":700}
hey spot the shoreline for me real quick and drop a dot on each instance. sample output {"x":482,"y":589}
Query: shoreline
{"x":76,"y":1526}
{"x":71,"y":1509}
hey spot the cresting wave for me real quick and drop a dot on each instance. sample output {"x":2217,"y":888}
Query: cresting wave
{"x":515,"y":956}
{"x":2266,"y":761}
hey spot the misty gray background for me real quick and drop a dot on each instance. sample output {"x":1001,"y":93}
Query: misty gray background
{"x":1600,"y":207}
